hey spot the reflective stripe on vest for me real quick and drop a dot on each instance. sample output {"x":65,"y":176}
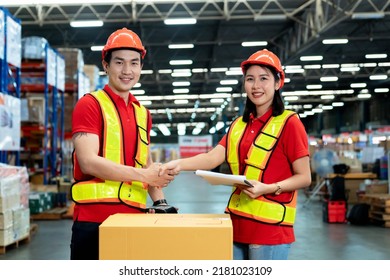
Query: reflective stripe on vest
{"x":99,"y":191}
{"x":265,"y":208}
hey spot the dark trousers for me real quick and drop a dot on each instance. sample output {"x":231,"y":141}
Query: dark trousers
{"x":85,"y":241}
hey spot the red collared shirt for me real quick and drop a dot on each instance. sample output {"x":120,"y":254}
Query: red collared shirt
{"x":292,"y":145}
{"x":87,"y":118}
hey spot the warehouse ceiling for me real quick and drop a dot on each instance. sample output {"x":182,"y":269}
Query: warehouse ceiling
{"x":291,"y":28}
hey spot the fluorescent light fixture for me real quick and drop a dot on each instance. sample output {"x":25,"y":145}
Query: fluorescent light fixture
{"x":224,"y":89}
{"x":181,"y":74}
{"x":146,"y":72}
{"x":181,"y":101}
{"x":181,"y":90}
{"x":334,"y":41}
{"x":217,"y":100}
{"x":137,"y":92}
{"x":228,"y":82}
{"x":97,"y":48}
{"x":350,"y":69}
{"x":181,"y":46}
{"x":329,"y":79}
{"x":181,"y":84}
{"x":317,"y":110}
{"x":338,"y":104}
{"x":287,"y":80}
{"x":164,"y":129}
{"x":254,"y":43}
{"x":378,"y":77}
{"x":146,"y":102}
{"x":379,"y":90}
{"x":270,"y":17}
{"x":200,"y":70}
{"x":376,"y":55}
{"x":181,"y":62}
{"x":291,"y":98}
{"x":330,"y":66}
{"x":358,"y":85}
{"x":327,"y":107}
{"x":327,"y":97}
{"x":311,"y":58}
{"x":373,"y":15}
{"x":219,"y":70}
{"x":294,"y":70}
{"x":179,"y":21}
{"x":314,"y":86}
{"x":364,"y":95}
{"x":312,"y":66}
{"x":137,"y":85}
{"x":86,"y":23}
{"x":153,"y":133}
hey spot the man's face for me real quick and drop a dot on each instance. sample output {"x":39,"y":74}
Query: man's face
{"x":123,"y":70}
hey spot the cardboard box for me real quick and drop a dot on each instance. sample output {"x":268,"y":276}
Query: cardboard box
{"x":166,"y":237}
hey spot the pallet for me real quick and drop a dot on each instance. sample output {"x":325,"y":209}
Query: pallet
{"x":15,"y":244}
{"x":379,"y":212}
{"x":51,"y":214}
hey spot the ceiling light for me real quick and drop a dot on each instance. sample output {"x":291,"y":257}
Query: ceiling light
{"x":338,"y":104}
{"x":228,"y":82}
{"x":334,"y":41}
{"x":350,"y":69}
{"x":327,"y":97}
{"x":254,"y":43}
{"x":294,"y":70}
{"x":181,"y":74}
{"x":311,"y":58}
{"x":219,"y":70}
{"x":327,"y":107}
{"x":86,"y":23}
{"x":358,"y":85}
{"x":330,"y":66}
{"x":269,"y":17}
{"x":376,"y":55}
{"x":179,"y":21}
{"x":378,"y":77}
{"x":137,"y":92}
{"x":146,"y":72}
{"x":181,"y":46}
{"x":381,"y":90}
{"x":291,"y":98}
{"x":164,"y":129}
{"x":97,"y":48}
{"x":364,"y":95}
{"x":181,"y":84}
{"x":153,"y":133}
{"x":224,"y":89}
{"x":314,"y":86}
{"x":374,"y":15}
{"x":181,"y":62}
{"x":329,"y":79}
{"x":181,"y":90}
{"x":181,"y":101}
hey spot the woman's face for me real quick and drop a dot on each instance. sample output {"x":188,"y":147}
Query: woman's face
{"x":260,"y":86}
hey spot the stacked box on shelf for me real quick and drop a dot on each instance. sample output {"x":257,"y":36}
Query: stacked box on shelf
{"x":14,"y":211}
{"x":92,"y":72}
{"x":74,"y":62}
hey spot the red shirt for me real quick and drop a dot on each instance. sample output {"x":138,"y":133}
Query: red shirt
{"x":87,"y":117}
{"x":292,"y":145}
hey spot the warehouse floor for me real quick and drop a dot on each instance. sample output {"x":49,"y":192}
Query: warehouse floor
{"x":316,"y":240}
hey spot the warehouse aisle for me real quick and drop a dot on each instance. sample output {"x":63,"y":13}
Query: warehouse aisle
{"x":316,"y":240}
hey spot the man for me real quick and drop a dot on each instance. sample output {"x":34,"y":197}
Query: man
{"x":113,"y":169}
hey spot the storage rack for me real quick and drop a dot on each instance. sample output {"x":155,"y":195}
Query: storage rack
{"x":51,"y":70}
{"x":10,"y":62}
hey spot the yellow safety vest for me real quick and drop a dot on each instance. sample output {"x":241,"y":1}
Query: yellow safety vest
{"x":99,"y":191}
{"x":265,"y":208}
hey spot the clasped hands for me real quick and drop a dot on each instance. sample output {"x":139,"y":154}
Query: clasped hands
{"x":163,"y":174}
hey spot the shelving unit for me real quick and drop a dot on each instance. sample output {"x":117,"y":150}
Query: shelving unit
{"x":10,"y":60}
{"x":44,"y":80}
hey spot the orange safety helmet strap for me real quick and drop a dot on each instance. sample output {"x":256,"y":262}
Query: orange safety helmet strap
{"x":265,"y":57}
{"x":124,"y":38}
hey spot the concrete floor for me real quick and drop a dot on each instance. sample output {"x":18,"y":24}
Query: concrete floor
{"x":316,"y":240}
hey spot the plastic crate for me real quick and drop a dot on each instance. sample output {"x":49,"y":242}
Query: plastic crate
{"x":334,"y":211}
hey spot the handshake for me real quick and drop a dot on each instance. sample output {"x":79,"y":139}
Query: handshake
{"x":160,"y":175}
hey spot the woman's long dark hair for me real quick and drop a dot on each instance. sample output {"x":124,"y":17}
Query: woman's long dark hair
{"x":277,"y":102}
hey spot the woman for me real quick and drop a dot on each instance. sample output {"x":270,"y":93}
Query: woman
{"x":268,"y":145}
